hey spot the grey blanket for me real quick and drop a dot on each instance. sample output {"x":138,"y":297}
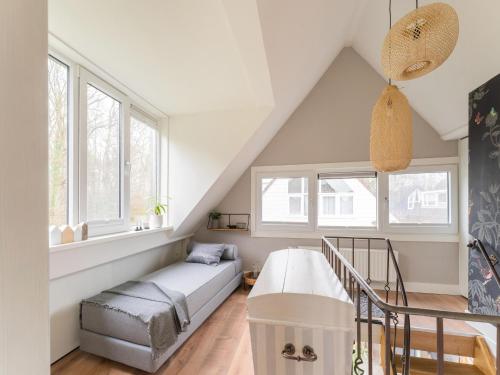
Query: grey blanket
{"x":164,"y":318}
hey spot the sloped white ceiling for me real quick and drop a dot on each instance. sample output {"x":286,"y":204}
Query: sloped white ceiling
{"x":300,"y":39}
{"x":440,"y":97}
{"x":179,"y":55}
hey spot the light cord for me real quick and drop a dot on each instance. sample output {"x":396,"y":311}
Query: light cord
{"x":390,"y":40}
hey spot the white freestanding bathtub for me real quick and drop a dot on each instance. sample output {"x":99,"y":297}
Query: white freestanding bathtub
{"x":301,"y":319}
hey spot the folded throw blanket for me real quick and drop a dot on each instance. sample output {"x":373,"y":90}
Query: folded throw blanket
{"x":164,"y":320}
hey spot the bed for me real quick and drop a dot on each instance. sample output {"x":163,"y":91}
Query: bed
{"x":115,"y":335}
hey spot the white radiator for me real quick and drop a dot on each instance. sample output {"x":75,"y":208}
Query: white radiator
{"x":378,"y":262}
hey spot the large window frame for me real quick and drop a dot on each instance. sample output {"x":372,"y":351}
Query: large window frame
{"x":281,"y":226}
{"x":69,"y":144}
{"x":143,"y":117}
{"x":79,"y":77}
{"x":311,"y":229}
{"x":450,"y":228}
{"x":121,"y":224}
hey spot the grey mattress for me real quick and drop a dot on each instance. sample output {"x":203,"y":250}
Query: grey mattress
{"x":199,"y":283}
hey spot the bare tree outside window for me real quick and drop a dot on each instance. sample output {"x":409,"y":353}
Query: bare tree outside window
{"x":143,"y":168}
{"x":103,"y":156}
{"x":58,"y":74}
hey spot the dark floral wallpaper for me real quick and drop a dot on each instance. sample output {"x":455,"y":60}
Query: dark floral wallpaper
{"x":484,"y":194}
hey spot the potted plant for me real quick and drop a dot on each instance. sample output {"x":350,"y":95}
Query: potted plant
{"x":214,"y":219}
{"x":157,"y":211}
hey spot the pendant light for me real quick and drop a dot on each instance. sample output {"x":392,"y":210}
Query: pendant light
{"x":420,"y":41}
{"x":391,"y":133}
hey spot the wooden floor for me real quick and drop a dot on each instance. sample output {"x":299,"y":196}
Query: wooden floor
{"x":222,"y":344}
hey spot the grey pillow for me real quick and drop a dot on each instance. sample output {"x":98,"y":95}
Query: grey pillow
{"x":206,"y":253}
{"x":230,"y":250}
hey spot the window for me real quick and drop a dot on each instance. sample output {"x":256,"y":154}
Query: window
{"x":103,"y":156}
{"x":285,"y":199}
{"x":103,"y":160}
{"x":419,"y":198}
{"x":143,"y":165}
{"x":347,"y":200}
{"x":351,"y":199}
{"x":58,"y":95}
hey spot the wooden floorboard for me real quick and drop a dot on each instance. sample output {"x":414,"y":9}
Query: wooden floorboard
{"x":222,"y":344}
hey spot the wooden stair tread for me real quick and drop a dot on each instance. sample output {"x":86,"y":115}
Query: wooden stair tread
{"x":425,"y":366}
{"x":454,"y":343}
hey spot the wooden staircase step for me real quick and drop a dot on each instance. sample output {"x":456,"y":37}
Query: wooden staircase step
{"x":455,"y":344}
{"x":426,"y":366}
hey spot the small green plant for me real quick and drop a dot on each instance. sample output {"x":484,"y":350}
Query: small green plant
{"x":158,"y":208}
{"x":214,"y":215}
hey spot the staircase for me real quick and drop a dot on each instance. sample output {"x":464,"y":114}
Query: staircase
{"x":405,"y":349}
{"x":464,"y":354}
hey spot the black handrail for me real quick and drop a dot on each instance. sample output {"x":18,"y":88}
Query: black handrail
{"x":491,"y":259}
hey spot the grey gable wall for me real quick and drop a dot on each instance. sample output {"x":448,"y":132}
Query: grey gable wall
{"x":333,"y":125}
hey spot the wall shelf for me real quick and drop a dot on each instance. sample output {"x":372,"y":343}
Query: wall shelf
{"x":229,"y":223}
{"x":228,"y":229}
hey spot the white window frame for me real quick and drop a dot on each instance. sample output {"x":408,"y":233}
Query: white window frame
{"x":256,"y":216}
{"x":78,"y":74}
{"x":140,"y":115}
{"x":413,"y":228}
{"x":72,"y":130}
{"x":410,"y":232}
{"x":348,"y":168}
{"x":100,"y":227}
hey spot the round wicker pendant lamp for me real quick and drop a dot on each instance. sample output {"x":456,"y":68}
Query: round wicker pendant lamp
{"x":391,"y":136}
{"x":420,"y":41}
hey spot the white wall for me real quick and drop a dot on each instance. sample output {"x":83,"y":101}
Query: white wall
{"x":331,"y":125}
{"x":201,"y":147}
{"x":24,"y":321}
{"x":67,"y":292}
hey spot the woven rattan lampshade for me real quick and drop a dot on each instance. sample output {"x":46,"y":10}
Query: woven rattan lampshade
{"x":391,"y":135}
{"x":420,"y":42}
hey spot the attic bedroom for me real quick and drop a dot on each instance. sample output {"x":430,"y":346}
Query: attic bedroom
{"x":249,"y":187}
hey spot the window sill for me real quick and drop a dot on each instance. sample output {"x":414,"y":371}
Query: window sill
{"x":402,"y":237}
{"x":74,"y":257}
{"x":92,"y":241}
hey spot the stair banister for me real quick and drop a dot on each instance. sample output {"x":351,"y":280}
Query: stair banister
{"x":478,"y":245}
{"x":338,"y":262}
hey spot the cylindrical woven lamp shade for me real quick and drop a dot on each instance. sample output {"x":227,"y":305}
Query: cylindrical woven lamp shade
{"x":391,"y":135}
{"x":420,"y":42}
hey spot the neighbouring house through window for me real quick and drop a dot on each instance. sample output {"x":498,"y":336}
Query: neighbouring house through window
{"x":330,"y":198}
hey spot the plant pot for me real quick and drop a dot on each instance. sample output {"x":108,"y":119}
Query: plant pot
{"x":215,"y":223}
{"x":155,"y":221}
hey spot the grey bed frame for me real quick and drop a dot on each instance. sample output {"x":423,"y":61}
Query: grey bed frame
{"x":139,"y":356}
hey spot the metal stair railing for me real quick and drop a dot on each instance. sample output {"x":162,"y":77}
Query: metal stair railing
{"x":357,"y":287}
{"x":492,"y":260}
